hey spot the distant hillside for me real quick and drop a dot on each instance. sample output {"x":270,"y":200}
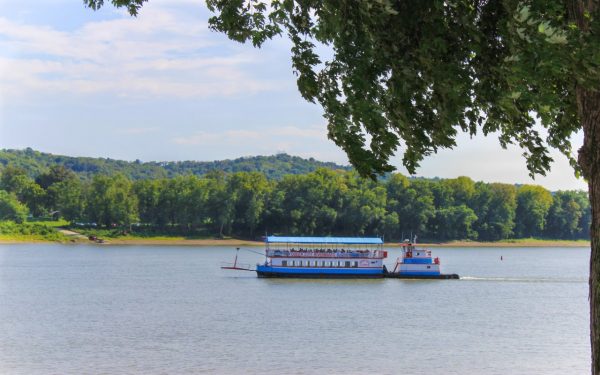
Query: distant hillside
{"x":274,"y":167}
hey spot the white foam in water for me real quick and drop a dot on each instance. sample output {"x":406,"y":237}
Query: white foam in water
{"x":525,"y":280}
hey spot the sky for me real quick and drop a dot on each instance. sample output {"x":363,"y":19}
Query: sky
{"x":163,"y":87}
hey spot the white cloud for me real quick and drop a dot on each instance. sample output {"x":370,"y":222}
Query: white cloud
{"x":229,"y":137}
{"x":163,"y":52}
{"x":307,"y":142}
{"x":138,"y":131}
{"x":483,"y":159}
{"x":317,"y":132}
{"x":279,"y":138}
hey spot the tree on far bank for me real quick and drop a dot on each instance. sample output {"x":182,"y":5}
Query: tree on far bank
{"x":110,"y":201}
{"x":52,"y":181}
{"x":68,"y":198}
{"x":495,"y":205}
{"x":413,"y":203}
{"x":15,"y":180}
{"x":533,"y":203}
{"x":11,"y":208}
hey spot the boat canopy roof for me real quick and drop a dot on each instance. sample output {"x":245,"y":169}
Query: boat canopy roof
{"x":327,"y":240}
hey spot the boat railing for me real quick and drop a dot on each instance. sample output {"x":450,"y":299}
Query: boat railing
{"x":325,"y":254}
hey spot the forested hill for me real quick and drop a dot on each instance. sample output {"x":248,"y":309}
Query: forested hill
{"x":274,"y":167}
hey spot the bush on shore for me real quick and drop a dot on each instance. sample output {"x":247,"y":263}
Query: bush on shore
{"x":9,"y":230}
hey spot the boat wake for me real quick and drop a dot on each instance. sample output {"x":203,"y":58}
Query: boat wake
{"x":525,"y":279}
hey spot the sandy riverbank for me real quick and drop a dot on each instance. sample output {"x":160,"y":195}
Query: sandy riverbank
{"x":239,"y":242}
{"x":515,"y":243}
{"x":138,"y":241}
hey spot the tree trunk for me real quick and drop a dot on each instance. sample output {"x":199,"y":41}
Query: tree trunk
{"x":588,"y":108}
{"x":589,"y":160}
{"x":594,"y":189}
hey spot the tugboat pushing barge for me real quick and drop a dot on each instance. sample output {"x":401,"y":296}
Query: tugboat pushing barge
{"x":417,"y":264}
{"x":342,"y":257}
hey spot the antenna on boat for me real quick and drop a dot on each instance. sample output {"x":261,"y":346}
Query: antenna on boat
{"x":237,"y":251}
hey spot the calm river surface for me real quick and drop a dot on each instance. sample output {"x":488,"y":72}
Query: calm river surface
{"x":171,"y":310}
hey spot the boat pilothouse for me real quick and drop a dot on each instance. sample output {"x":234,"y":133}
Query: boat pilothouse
{"x":327,"y":257}
{"x":417,"y":264}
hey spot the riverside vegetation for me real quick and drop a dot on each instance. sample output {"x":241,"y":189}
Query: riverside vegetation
{"x":322,"y":202}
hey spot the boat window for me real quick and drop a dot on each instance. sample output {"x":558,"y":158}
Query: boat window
{"x":284,"y":263}
{"x":347,"y":264}
{"x":355,"y":264}
{"x":428,"y":266}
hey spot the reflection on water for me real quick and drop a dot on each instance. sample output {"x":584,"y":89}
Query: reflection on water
{"x":155,"y":310}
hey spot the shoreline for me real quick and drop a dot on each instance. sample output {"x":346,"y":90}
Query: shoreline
{"x":240,"y":242}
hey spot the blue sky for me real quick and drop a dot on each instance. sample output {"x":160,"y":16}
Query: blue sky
{"x":163,"y":87}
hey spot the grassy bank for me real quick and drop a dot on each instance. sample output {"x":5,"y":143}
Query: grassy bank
{"x":30,"y":232}
{"x":240,"y":242}
{"x":520,"y":242}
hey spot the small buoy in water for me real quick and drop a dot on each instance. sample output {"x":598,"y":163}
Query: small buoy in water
{"x":501,"y":257}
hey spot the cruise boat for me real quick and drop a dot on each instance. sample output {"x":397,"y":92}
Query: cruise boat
{"x":417,"y":264}
{"x":323,"y":257}
{"x":340,"y":257}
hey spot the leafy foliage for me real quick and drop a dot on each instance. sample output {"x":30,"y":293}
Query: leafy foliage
{"x":417,"y":72}
{"x":11,"y":208}
{"x":29,"y":231}
{"x":111,"y":200}
{"x":533,"y":203}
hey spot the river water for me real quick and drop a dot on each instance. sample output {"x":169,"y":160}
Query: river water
{"x":68,"y":309}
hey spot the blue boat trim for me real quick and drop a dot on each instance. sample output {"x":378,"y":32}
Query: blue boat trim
{"x":320,"y":271}
{"x":418,"y":261}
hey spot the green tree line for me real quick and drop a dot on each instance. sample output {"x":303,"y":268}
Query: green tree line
{"x":323,"y":202}
{"x":274,"y":166}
